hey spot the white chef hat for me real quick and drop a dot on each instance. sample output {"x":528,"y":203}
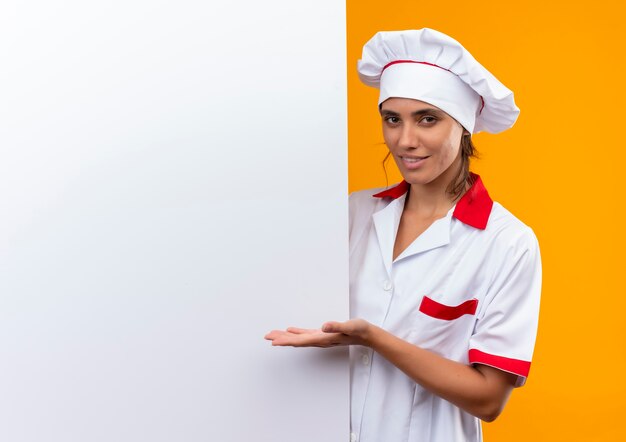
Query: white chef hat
{"x":429,"y":66}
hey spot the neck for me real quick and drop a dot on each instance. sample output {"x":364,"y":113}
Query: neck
{"x":433,"y":199}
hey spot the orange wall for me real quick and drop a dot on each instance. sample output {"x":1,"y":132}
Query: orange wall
{"x":561,"y":170}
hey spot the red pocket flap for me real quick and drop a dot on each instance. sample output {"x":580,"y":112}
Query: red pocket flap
{"x":446,"y":312}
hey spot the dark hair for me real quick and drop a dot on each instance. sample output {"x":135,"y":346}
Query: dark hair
{"x":463,"y":179}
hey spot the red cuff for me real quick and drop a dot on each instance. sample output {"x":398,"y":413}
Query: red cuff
{"x":515,"y":366}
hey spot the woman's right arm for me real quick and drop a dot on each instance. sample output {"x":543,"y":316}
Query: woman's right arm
{"x":480,"y":390}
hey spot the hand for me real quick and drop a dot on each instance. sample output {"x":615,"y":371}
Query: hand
{"x":332,"y":334}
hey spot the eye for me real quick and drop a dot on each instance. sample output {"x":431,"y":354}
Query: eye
{"x":392,"y":120}
{"x":428,"y":120}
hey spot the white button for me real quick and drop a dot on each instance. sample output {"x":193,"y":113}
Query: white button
{"x":387,"y":285}
{"x":352,"y":437}
{"x":365,"y":359}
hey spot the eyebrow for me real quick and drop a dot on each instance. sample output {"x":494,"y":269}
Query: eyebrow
{"x":417,"y":113}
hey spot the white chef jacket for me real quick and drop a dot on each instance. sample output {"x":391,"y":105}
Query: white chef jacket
{"x":467,"y":289}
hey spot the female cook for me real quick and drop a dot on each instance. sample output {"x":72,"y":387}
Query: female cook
{"x":444,"y":283}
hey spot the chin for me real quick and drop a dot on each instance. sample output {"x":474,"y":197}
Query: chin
{"x":420,"y":178}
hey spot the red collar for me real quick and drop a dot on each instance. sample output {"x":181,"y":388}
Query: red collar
{"x":473,"y":208}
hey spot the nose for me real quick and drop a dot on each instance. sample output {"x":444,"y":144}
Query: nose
{"x":409,"y":138}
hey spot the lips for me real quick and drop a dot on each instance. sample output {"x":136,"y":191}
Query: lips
{"x":412,"y":162}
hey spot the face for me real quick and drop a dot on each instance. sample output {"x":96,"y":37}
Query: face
{"x":423,"y":140}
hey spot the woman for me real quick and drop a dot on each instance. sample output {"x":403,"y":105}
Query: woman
{"x":444,"y":283}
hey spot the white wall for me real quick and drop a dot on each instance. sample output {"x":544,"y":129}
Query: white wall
{"x":172,"y":186}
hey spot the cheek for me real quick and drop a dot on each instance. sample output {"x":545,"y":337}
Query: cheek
{"x":449,"y":151}
{"x":453,"y":143}
{"x":447,"y":147}
{"x":453,"y":148}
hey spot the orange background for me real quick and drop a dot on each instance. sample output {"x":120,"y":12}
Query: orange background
{"x":561,"y":170}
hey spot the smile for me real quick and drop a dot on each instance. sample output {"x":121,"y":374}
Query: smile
{"x":412,"y":162}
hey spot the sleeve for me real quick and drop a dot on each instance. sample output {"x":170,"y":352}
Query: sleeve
{"x":504,"y":336}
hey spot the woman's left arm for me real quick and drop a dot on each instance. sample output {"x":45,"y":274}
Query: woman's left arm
{"x":480,"y":390}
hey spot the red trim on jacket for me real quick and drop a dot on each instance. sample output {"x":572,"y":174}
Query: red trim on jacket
{"x":475,"y":205}
{"x":472,"y":209}
{"x":515,"y":366}
{"x":394,"y":192}
{"x":447,"y":312}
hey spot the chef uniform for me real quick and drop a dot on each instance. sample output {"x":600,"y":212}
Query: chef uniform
{"x":468,"y":287}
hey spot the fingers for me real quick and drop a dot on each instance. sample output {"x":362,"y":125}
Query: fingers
{"x":304,"y":338}
{"x":330,"y":327}
{"x":272,"y":335}
{"x":356,"y":330}
{"x":299,"y":331}
{"x":293,"y":336}
{"x":331,"y":334}
{"x":280,"y":337}
{"x":334,"y":327}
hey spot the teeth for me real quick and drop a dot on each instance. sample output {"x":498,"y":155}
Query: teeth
{"x":412,"y":160}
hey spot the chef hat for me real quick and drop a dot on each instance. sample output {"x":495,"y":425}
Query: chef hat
{"x":429,"y":66}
